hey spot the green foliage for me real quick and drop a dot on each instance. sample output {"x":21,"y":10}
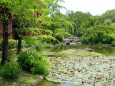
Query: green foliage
{"x":82,"y":21}
{"x":34,"y":62}
{"x":1,"y":44}
{"x":33,"y":42}
{"x":24,"y":60}
{"x":57,"y":21}
{"x":12,"y":43}
{"x":61,"y":33}
{"x":109,"y":14}
{"x":113,"y":26}
{"x":47,"y":32}
{"x":108,"y":39}
{"x":48,"y":39}
{"x":10,"y":70}
{"x":113,"y":43}
{"x":59,"y":37}
{"x":78,"y":17}
{"x":41,"y":66}
{"x":12,"y":56}
{"x":98,"y":34}
{"x":107,"y":22}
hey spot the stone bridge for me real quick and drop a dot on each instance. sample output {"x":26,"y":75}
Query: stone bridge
{"x":67,"y":41}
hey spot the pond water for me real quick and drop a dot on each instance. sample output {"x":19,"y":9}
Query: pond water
{"x":106,"y":50}
{"x":103,"y":49}
{"x":48,"y":83}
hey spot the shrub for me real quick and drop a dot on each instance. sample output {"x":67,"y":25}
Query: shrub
{"x":12,"y":56}
{"x":12,"y":43}
{"x":33,"y":62}
{"x":98,"y":34}
{"x":10,"y":71}
{"x":41,"y":66}
{"x":113,"y":43}
{"x":24,"y":60}
{"x":32,"y":41}
{"x":108,"y":38}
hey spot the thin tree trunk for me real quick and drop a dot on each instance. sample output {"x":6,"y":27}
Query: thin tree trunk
{"x":5,"y":43}
{"x":19,"y":45}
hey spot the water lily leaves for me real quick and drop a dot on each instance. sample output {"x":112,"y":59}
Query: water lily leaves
{"x":87,"y":71}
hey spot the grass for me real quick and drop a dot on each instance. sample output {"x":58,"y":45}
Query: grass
{"x":72,"y":53}
{"x":24,"y":80}
{"x":78,"y":53}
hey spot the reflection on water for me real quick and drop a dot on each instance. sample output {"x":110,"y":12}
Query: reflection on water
{"x":48,"y":83}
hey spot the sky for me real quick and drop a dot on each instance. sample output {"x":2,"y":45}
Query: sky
{"x":95,"y":7}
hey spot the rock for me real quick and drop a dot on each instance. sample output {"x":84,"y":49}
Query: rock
{"x":88,"y":49}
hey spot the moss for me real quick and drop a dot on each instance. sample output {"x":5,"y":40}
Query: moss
{"x":75,"y":53}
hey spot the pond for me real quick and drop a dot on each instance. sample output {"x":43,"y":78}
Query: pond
{"x":103,"y":49}
{"x":106,"y":50}
{"x":48,"y":83}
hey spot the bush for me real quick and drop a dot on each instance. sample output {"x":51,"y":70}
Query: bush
{"x":33,"y":62}
{"x":32,"y":41}
{"x":41,"y":66}
{"x":12,"y":43}
{"x":24,"y":60}
{"x":10,"y":71}
{"x":98,"y":34}
{"x":113,"y":43}
{"x":108,"y":38}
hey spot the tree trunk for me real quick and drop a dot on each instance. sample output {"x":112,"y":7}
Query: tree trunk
{"x":19,"y":45}
{"x":5,"y":42}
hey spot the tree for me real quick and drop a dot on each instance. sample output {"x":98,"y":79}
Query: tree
{"x":107,"y":22}
{"x":27,"y":12}
{"x":10,"y":9}
{"x":5,"y":17}
{"x":59,"y":21}
{"x":110,"y":14}
{"x":98,"y":34}
{"x":78,"y":18}
{"x":91,"y":21}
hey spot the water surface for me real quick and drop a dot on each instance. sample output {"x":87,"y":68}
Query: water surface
{"x":48,"y":83}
